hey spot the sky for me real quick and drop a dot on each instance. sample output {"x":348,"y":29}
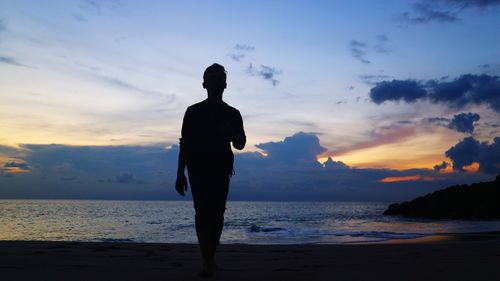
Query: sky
{"x":341,"y":100}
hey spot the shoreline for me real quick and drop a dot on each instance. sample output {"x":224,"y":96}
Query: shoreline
{"x":447,"y":257}
{"x":425,"y":238}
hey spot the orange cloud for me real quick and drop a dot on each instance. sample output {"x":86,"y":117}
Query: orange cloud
{"x":406,"y":178}
{"x":15,"y":170}
{"x":380,"y":136}
{"x":472,"y":168}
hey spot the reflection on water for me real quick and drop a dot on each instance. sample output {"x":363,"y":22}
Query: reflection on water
{"x":246,"y":222}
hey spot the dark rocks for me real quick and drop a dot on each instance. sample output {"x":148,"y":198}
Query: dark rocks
{"x":475,"y":201}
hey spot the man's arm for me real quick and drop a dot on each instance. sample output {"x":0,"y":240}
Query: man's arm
{"x":181,"y":182}
{"x":240,"y":138}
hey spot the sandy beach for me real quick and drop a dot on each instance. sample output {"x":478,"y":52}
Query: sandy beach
{"x":451,"y":257}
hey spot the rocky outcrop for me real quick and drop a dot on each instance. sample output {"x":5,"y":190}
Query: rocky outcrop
{"x":475,"y":201}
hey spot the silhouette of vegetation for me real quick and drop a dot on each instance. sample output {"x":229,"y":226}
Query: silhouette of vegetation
{"x":475,"y":201}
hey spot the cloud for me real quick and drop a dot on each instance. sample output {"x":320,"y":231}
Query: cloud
{"x":334,"y":165}
{"x":441,"y":166}
{"x":15,"y":167}
{"x":3,"y":26}
{"x":358,"y":50}
{"x":241,"y":50}
{"x":468,"y":89}
{"x":128,"y":178}
{"x":381,"y":136}
{"x":121,"y":84}
{"x":300,"y":148}
{"x":405,"y":122}
{"x":396,"y":90}
{"x":244,"y":47}
{"x":10,"y":60}
{"x":99,"y":7}
{"x":288,"y":172}
{"x":237,"y":57}
{"x":438,"y":120}
{"x":380,"y":46}
{"x":426,"y":13}
{"x":373,"y":79}
{"x":443,"y":11}
{"x":474,"y":3}
{"x":469,"y":151}
{"x":265,"y":72}
{"x":68,"y":178}
{"x":406,"y":178}
{"x":382,"y":38}
{"x":464,"y":122}
{"x":79,"y":17}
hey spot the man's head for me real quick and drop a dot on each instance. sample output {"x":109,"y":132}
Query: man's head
{"x":214,"y":79}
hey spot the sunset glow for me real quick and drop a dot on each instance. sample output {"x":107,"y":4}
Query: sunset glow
{"x":406,"y":178}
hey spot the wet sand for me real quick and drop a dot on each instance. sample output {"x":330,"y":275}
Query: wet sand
{"x":448,"y":257}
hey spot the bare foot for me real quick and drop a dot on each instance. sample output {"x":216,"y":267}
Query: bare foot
{"x":208,"y":270}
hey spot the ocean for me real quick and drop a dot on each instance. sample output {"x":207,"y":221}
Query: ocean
{"x":245,"y":222}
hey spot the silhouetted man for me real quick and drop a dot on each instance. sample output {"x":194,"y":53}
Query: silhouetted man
{"x":208,"y":129}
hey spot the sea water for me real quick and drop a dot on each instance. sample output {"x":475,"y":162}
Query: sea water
{"x":245,"y":222}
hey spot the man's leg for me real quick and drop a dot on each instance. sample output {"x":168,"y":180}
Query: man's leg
{"x":220,"y":207}
{"x":209,"y":192}
{"x":201,"y":202}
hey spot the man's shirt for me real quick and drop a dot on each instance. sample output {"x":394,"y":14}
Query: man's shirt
{"x":208,"y":129}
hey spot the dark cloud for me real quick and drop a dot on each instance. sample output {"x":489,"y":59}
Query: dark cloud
{"x":19,"y":165}
{"x":128,"y":178}
{"x":244,"y":47}
{"x":470,"y":150}
{"x":100,"y":7}
{"x":485,"y":65}
{"x":405,"y":122}
{"x":290,"y":171}
{"x":441,"y":166}
{"x":373,"y":79}
{"x":301,"y":148}
{"x":439,"y":121}
{"x":380,"y":46}
{"x":10,"y":151}
{"x":443,"y":11}
{"x":241,"y":50}
{"x":79,"y":17}
{"x":10,"y":60}
{"x":330,"y":164}
{"x":265,"y":72}
{"x":465,"y":90}
{"x":382,"y":38}
{"x":358,"y":50}
{"x":464,"y":122}
{"x":396,"y":90}
{"x":474,"y":3}
{"x":237,"y":57}
{"x":68,"y":178}
{"x":426,"y":12}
